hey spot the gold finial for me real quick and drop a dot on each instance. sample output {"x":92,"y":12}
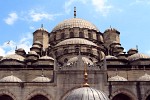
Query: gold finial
{"x":85,"y":77}
{"x":74,"y":12}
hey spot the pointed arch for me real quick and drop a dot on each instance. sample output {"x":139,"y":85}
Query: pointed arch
{"x":124,"y":93}
{"x":7,"y":93}
{"x":38,"y":92}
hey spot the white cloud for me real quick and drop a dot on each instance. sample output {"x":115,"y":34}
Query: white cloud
{"x":11,"y":19}
{"x":143,"y":2}
{"x":68,"y":7}
{"x":102,"y":6}
{"x":39,"y":15}
{"x":9,"y":47}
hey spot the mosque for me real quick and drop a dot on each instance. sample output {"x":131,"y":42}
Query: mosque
{"x":75,"y":61}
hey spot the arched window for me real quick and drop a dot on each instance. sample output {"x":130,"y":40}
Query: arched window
{"x":71,"y":34}
{"x":62,"y":35}
{"x":148,"y":98}
{"x":121,"y":97}
{"x":90,"y":35}
{"x":81,"y":35}
{"x":5,"y":97}
{"x":39,"y":97}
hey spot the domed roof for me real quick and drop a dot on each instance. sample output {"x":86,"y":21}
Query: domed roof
{"x":75,"y":22}
{"x":111,"y":57}
{"x":46,"y":57}
{"x":145,"y":77}
{"x":21,"y":49}
{"x":37,"y":42}
{"x":14,"y":56}
{"x":117,"y":78}
{"x":138,"y":56}
{"x":36,"y":46}
{"x":112,"y":29}
{"x":32,"y":52}
{"x":41,"y":29}
{"x":41,"y":79}
{"x":86,"y":93}
{"x":10,"y":78}
{"x":75,"y":59}
{"x":76,"y":41}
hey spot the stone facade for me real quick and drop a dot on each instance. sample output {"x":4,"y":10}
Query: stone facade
{"x":59,"y":59}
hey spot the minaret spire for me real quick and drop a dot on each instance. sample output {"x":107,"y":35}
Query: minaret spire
{"x":41,"y":25}
{"x":74,"y":12}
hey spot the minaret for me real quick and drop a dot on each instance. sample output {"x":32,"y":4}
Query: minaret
{"x":74,"y":12}
{"x":41,"y":35}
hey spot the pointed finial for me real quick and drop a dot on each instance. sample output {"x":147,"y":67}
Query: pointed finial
{"x":85,"y":77}
{"x":41,"y":25}
{"x":74,"y":12}
{"x":137,"y":47}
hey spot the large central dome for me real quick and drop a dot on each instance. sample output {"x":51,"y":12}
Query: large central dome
{"x":75,"y":22}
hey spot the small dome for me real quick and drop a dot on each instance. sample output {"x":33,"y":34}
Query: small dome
{"x":75,"y":22}
{"x":117,"y":78}
{"x":111,"y":57}
{"x":145,"y":77}
{"x":76,"y":41}
{"x":21,"y":49}
{"x":41,"y":79}
{"x":138,"y":56}
{"x":86,"y":93}
{"x":14,"y":56}
{"x":33,"y":52}
{"x":75,"y":59}
{"x":46,"y":57}
{"x":36,"y":46}
{"x":41,"y":29}
{"x":112,"y":29}
{"x":10,"y":78}
{"x":37,"y":42}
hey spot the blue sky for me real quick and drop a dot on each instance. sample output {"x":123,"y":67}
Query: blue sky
{"x":20,"y":18}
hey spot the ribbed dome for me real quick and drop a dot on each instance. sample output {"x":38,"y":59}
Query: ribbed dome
{"x":145,"y":77}
{"x":75,"y":59}
{"x":33,"y":52}
{"x":21,"y":49}
{"x":41,"y":79}
{"x":10,"y":78}
{"x":76,"y":41}
{"x":46,"y":57}
{"x":36,"y":46}
{"x":138,"y":56}
{"x":37,"y":42}
{"x":14,"y":56}
{"x":117,"y":78}
{"x":75,"y":22}
{"x":111,"y":57}
{"x":41,"y":29}
{"x":86,"y":93}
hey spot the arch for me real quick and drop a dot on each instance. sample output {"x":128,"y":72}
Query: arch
{"x":38,"y":92}
{"x":5,"y":97}
{"x":6,"y":94}
{"x":123,"y":93}
{"x":147,"y":95}
{"x":121,"y":96}
{"x":39,"y":97}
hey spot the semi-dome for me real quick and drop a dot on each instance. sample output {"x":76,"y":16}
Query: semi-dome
{"x":145,"y":77}
{"x":86,"y":93}
{"x":10,"y":78}
{"x":117,"y":78}
{"x":41,"y":79}
{"x":76,"y":41}
{"x":138,"y":56}
{"x":46,"y":57}
{"x":75,"y":22}
{"x":32,"y":53}
{"x":75,"y":59}
{"x":14,"y":57}
{"x":111,"y":57}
